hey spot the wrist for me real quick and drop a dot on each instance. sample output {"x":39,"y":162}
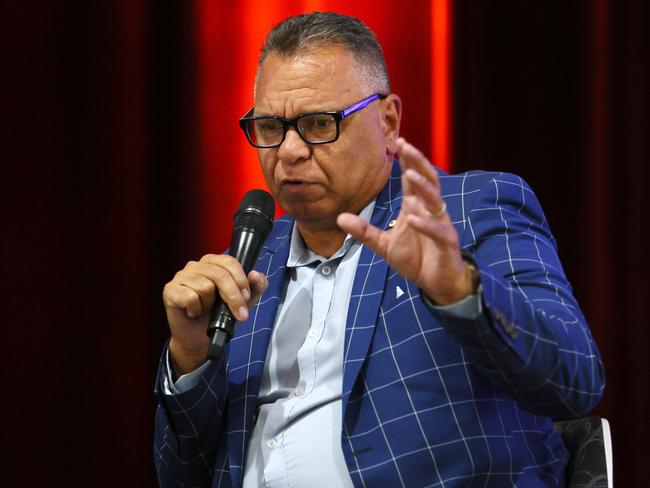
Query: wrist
{"x":184,"y":360}
{"x":467,"y":284}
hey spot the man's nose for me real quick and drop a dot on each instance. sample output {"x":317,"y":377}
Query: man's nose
{"x":293,"y":148}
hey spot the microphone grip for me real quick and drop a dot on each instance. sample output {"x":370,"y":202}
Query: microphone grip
{"x":222,"y":325}
{"x":245,"y":247}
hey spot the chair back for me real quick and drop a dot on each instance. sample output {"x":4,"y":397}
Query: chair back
{"x":589,"y":443}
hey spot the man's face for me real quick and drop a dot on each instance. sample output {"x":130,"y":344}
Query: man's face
{"x":315,"y":183}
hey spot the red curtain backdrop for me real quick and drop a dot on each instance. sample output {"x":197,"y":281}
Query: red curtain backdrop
{"x":121,"y":159}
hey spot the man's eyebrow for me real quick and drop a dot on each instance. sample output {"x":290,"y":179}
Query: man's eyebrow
{"x":310,"y":109}
{"x":299,"y":114}
{"x":261,"y":113}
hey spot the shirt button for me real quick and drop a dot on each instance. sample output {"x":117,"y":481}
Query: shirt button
{"x":271,"y":443}
{"x":326,"y":270}
{"x":299,"y":391}
{"x":311,"y":333}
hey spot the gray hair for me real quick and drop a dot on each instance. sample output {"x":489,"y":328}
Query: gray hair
{"x":306,"y":32}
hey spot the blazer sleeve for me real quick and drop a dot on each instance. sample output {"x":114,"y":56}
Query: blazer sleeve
{"x":187,"y":427}
{"x":531,"y":338}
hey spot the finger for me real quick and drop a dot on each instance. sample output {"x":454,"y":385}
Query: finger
{"x":258,"y":284}
{"x":182,"y":298}
{"x":411,"y":157}
{"x":415,"y":159}
{"x":412,"y":205}
{"x":203,"y":286}
{"x":422,"y":188}
{"x":431,"y":227}
{"x":234,"y":268}
{"x":439,"y":229}
{"x":222,"y":282}
{"x":362,"y":231}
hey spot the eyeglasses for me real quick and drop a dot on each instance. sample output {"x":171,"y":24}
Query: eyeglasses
{"x":313,"y":128}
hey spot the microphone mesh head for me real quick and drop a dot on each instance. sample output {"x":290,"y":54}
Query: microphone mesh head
{"x":260,"y":200}
{"x":256,"y":212}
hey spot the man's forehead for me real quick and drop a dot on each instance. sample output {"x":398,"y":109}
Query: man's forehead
{"x":311,"y":77}
{"x":321,"y":63}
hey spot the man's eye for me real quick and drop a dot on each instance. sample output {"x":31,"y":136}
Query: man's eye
{"x":320,"y":122}
{"x":268,"y":125}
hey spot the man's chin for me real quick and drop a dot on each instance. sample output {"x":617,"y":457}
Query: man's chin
{"x":302,"y":211}
{"x":298,"y":203}
{"x":308,"y":212}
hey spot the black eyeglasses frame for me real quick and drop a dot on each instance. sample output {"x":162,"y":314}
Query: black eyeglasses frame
{"x":337,"y":115}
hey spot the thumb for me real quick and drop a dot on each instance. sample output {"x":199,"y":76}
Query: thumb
{"x":362,"y":231}
{"x":258,"y":284}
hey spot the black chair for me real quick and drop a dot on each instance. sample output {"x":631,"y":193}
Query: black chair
{"x":589,"y":443}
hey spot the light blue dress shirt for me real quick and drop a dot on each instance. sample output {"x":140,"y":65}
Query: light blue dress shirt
{"x":296,"y":440}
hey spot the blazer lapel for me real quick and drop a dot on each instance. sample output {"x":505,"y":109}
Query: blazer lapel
{"x":368,"y":288}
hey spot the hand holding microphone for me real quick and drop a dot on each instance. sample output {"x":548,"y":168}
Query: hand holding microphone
{"x":223,"y":285}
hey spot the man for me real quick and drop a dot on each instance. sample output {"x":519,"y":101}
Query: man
{"x":403,"y":327}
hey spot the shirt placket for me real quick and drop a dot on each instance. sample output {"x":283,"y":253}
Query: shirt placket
{"x":322,"y":291}
{"x":323,"y":288}
{"x":279,"y":451}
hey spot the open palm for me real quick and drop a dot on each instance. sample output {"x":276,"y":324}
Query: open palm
{"x":423,"y":244}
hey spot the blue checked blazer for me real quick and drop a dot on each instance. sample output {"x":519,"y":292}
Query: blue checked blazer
{"x":428,"y":400}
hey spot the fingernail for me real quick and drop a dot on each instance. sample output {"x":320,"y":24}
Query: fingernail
{"x":243,"y":313}
{"x":246,"y":293}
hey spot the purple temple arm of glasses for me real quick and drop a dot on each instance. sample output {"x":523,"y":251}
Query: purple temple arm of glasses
{"x":359,"y":105}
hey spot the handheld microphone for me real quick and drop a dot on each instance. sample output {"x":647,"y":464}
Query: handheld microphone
{"x":253,"y":223}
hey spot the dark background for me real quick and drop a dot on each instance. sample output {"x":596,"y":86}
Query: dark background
{"x":99,"y":161}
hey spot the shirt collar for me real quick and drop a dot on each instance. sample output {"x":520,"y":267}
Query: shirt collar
{"x":300,"y":255}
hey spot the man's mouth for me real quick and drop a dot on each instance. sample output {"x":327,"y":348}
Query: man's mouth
{"x":297,"y":188}
{"x":293,"y":182}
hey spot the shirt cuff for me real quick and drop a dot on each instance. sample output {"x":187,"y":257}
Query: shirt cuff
{"x":185,"y":382}
{"x":469,"y":307}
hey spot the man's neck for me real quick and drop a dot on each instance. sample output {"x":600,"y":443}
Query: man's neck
{"x":324,"y":242}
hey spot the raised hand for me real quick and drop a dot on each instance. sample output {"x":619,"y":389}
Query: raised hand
{"x":423,"y":246}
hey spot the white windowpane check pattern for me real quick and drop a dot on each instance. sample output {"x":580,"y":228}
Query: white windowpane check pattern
{"x":428,"y":399}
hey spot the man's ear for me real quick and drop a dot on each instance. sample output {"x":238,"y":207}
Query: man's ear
{"x":392,"y":114}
